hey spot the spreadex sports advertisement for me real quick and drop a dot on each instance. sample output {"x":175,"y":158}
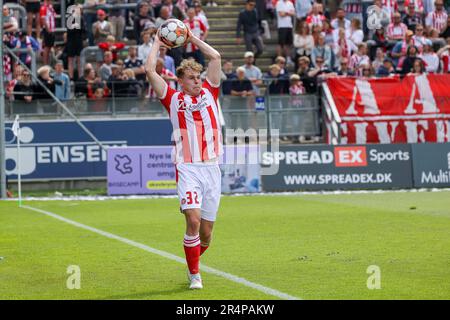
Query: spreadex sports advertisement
{"x":338,"y":167}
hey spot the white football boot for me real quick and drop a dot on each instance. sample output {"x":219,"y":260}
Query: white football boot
{"x":196,"y":281}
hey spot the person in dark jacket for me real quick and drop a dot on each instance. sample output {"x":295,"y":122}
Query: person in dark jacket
{"x":250,"y":21}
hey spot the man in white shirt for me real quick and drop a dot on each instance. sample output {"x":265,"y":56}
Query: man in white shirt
{"x":285,"y":11}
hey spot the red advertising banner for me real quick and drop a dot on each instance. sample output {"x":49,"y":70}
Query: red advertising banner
{"x":392,"y":110}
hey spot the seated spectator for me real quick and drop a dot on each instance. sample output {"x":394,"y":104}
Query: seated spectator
{"x":81,"y":84}
{"x":170,"y":78}
{"x":418,"y":68}
{"x":111,"y":45}
{"x":380,"y":42}
{"x":136,"y":64}
{"x":296,"y":87}
{"x":98,"y":99}
{"x":359,"y":59}
{"x":396,"y":30}
{"x":241,"y":87}
{"x":62,"y":92}
{"x":418,"y":39}
{"x":367,"y":71}
{"x":398,"y":52}
{"x":252,"y":72}
{"x":387,"y":69}
{"x":230,"y":74}
{"x":303,"y":71}
{"x":133,"y":88}
{"x":407,"y":64}
{"x":17,"y":77}
{"x":105,"y":69}
{"x":24,"y":89}
{"x":169,"y":63}
{"x":319,"y":69}
{"x":446,"y":33}
{"x":94,"y":82}
{"x":379,"y":59}
{"x":10,"y":24}
{"x":324,"y":51}
{"x":413,"y":18}
{"x":429,"y":57}
{"x":276,"y":83}
{"x":102,"y":28}
{"x":437,"y":19}
{"x":281,"y":62}
{"x":444,"y":55}
{"x":343,"y":69}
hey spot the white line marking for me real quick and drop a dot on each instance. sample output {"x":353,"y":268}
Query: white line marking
{"x":170,"y":256}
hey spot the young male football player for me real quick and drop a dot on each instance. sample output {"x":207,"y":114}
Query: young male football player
{"x":194,"y":114}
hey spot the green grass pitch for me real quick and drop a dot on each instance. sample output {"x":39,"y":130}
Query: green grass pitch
{"x":307,"y":246}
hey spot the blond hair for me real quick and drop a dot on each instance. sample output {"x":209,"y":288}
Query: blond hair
{"x":129,"y":73}
{"x":188,"y":64}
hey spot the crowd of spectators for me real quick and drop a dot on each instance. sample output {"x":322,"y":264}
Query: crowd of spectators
{"x":315,"y":40}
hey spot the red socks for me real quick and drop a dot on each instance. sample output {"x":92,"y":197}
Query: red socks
{"x":203,"y":249}
{"x":192,"y":251}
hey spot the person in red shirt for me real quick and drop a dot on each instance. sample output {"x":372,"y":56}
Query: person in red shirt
{"x":111,"y":45}
{"x":199,"y":29}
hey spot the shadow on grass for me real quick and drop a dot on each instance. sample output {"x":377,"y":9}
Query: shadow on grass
{"x":149,"y":294}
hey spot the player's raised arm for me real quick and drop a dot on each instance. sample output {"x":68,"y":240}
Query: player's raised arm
{"x":159,"y":85}
{"x":214,"y":65}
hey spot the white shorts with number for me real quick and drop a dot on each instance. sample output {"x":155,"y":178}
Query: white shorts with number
{"x":199,"y":187}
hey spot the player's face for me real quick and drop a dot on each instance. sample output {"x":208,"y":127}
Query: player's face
{"x":191,"y":83}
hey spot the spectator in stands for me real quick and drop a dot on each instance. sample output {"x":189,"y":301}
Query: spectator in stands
{"x":408,"y":62}
{"x":397,"y":29}
{"x":412,"y":18}
{"x":249,"y":20}
{"x":356,"y":34}
{"x":340,"y":21}
{"x":82,"y":82}
{"x":33,"y":8}
{"x":62,"y":92}
{"x":143,"y":19}
{"x":380,"y":42}
{"x":174,"y":10}
{"x":111,"y":45}
{"x":324,"y":51}
{"x":200,"y":13}
{"x":10,"y":23}
{"x":252,"y":72}
{"x":296,"y":87}
{"x":417,"y":4}
{"x":241,"y":86}
{"x":444,"y":55}
{"x":303,"y":42}
{"x":48,"y":23}
{"x":327,"y":31}
{"x":132,"y":85}
{"x":165,"y":73}
{"x":97,"y":98}
{"x":418,"y":39}
{"x":343,"y":69}
{"x":320,"y":69}
{"x":446,"y":33}
{"x":102,"y":28}
{"x":105,"y":69}
{"x":359,"y":59}
{"x":379,"y":59}
{"x":228,"y":70}
{"x":285,"y":11}
{"x":437,"y":19}
{"x":367,"y":71}
{"x":316,"y":17}
{"x":303,"y":71}
{"x":117,"y":19}
{"x":23,"y":41}
{"x":199,"y":30}
{"x":89,"y":17}
{"x":341,"y":48}
{"x":418,"y":68}
{"x":276,"y":83}
{"x":135,"y":64}
{"x":17,"y":77}
{"x":302,"y":9}
{"x":387,"y":69}
{"x":115,"y":84}
{"x":24,"y":89}
{"x":281,"y":62}
{"x":398,"y":53}
{"x":146,"y":45}
{"x":429,"y":57}
{"x":49,"y":83}
{"x":169,"y":63}
{"x":75,"y":43}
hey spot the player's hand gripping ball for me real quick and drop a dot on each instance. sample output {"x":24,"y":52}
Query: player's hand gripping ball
{"x":173,"y":33}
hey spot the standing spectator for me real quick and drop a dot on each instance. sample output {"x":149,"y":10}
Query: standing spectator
{"x":135,"y":64}
{"x":316,"y":17}
{"x":412,"y":18}
{"x":117,"y":19}
{"x":340,"y":21}
{"x":43,"y":74}
{"x":17,"y":77}
{"x":146,"y":46}
{"x":285,"y":11}
{"x":446,"y":33}
{"x":303,"y":42}
{"x":252,"y":72}
{"x":251,"y":23}
{"x":200,"y":13}
{"x":75,"y":43}
{"x":142,"y":19}
{"x":391,"y":6}
{"x":444,"y":55}
{"x":341,"y":47}
{"x":438,"y":18}
{"x":102,"y":28}
{"x":10,"y":23}
{"x":111,"y":45}
{"x":430,"y":58}
{"x":62,"y":92}
{"x":302,"y":8}
{"x":175,"y":53}
{"x":48,"y":16}
{"x":24,"y":89}
{"x":399,"y":50}
{"x":323,"y":51}
{"x":105,"y":69}
{"x":25,"y":42}
{"x":89,"y":16}
{"x":356,"y":34}
{"x":174,"y":10}
{"x":33,"y":8}
{"x":353,"y":9}
{"x":199,"y":30}
{"x":397,"y":29}
{"x":277,"y":84}
{"x":359,"y":59}
{"x":380,"y":42}
{"x":417,"y":4}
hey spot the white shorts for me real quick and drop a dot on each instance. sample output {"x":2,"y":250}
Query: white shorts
{"x":199,"y":187}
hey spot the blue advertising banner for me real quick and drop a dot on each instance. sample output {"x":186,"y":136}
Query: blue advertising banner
{"x":60,"y":149}
{"x":431,"y":165}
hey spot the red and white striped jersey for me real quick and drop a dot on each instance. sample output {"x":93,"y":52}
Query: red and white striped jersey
{"x":396,"y":32}
{"x":390,"y":5}
{"x":48,"y":13}
{"x":437,"y":20}
{"x":315,"y":19}
{"x":198,"y":28}
{"x":196,"y":126}
{"x":357,"y":62}
{"x":418,"y":5}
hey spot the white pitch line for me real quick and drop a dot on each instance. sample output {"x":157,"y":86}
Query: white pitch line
{"x":170,"y":256}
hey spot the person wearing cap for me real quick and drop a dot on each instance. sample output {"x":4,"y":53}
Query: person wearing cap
{"x":252,"y":72}
{"x":102,"y":28}
{"x":429,"y":57}
{"x":386,"y":69}
{"x":143,"y":18}
{"x":396,"y":30}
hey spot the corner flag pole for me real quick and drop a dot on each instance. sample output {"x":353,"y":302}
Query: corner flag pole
{"x":2,"y":117}
{"x":16,"y":131}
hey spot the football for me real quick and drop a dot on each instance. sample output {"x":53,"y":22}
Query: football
{"x":173,"y":33}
